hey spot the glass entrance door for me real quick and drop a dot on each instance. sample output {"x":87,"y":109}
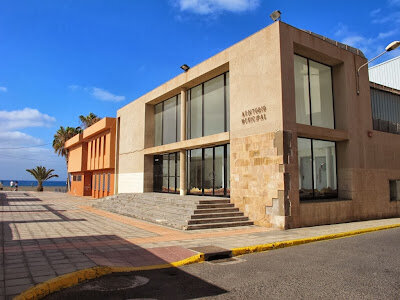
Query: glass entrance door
{"x":166,"y":173}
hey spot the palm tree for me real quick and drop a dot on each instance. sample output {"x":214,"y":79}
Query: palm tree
{"x":41,"y":174}
{"x":89,"y":120}
{"x":62,"y":135}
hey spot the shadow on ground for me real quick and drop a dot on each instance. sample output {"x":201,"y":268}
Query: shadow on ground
{"x":172,"y":283}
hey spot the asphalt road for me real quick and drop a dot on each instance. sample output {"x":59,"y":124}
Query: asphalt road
{"x":361,"y":267}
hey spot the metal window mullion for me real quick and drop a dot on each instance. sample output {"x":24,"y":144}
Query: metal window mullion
{"x":213,"y":171}
{"x":312,"y":167}
{"x":202,"y":109}
{"x":225,"y":167}
{"x":202,"y":171}
{"x":309,"y":89}
{"x":176,"y":119}
{"x":225,"y":115}
{"x":162,"y":123}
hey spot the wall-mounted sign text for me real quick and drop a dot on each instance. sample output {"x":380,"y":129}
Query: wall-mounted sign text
{"x":254,"y":115}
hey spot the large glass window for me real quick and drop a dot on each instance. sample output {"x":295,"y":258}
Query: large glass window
{"x":208,"y":171}
{"x":167,"y":121}
{"x":317,"y":169}
{"x":313,"y":93}
{"x":166,"y":173}
{"x":208,"y":107}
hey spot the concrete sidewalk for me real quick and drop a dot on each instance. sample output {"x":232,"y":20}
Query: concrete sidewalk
{"x":45,"y":235}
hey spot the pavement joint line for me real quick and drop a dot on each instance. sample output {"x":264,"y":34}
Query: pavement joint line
{"x":71,"y":279}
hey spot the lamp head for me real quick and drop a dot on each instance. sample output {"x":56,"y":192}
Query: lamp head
{"x":276,"y":15}
{"x":185,"y":67}
{"x":392,"y":46}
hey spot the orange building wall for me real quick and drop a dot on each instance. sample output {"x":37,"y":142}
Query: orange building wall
{"x":100,"y":183}
{"x":91,"y":154}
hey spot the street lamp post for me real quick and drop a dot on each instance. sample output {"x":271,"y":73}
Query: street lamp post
{"x":390,"y":47}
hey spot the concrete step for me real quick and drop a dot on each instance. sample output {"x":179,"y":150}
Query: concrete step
{"x":222,"y":205}
{"x":217,"y":220}
{"x":215,"y":210}
{"x":218,"y":225}
{"x":215,"y":201}
{"x":217,"y":215}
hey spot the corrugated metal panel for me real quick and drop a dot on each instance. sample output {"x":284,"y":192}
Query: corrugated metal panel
{"x":386,"y":73}
{"x":385,"y":111}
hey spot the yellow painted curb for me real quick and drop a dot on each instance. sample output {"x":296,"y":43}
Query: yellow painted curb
{"x":71,"y":279}
{"x":283,"y":244}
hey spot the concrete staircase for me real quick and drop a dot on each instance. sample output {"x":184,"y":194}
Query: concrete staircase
{"x":188,"y":212}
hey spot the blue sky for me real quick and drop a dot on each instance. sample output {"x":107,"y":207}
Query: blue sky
{"x":60,"y":59}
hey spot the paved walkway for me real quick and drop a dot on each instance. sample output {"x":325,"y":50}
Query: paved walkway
{"x":44,"y":235}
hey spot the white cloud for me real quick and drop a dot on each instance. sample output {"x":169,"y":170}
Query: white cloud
{"x":384,"y":35}
{"x":375,"y":12}
{"x":205,"y":7}
{"x":3,"y":89}
{"x":25,"y":118}
{"x":74,"y":87}
{"x":369,"y":45}
{"x":98,"y":93}
{"x":104,"y":95}
{"x":9,"y":139}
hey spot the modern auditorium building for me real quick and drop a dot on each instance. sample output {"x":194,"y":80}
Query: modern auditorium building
{"x":273,"y":122}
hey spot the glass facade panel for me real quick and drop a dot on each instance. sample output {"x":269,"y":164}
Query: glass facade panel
{"x":313,"y":92}
{"x":165,"y":173}
{"x":305,"y":168}
{"x":178,"y":172}
{"x":214,"y":106}
{"x":169,"y":121}
{"x":208,"y":107}
{"x":208,"y":181}
{"x":302,"y":94}
{"x":208,"y":169}
{"x":158,"y":124}
{"x":317,"y":169}
{"x":178,"y":119}
{"x":228,"y":169}
{"x":227,"y":101}
{"x":196,"y":112}
{"x":324,"y":158}
{"x":321,"y":95}
{"x":195,"y":172}
{"x":219,"y":172}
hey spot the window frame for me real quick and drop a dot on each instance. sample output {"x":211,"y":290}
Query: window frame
{"x":177,"y":126}
{"x":225,"y":175}
{"x":309,"y":90}
{"x":189,"y":111}
{"x":314,"y":198}
{"x":390,"y":197}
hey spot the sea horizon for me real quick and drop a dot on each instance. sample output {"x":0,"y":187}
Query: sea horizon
{"x":6,"y":182}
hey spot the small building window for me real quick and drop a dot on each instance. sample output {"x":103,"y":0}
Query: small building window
{"x":385,"y":111}
{"x":104,"y":182}
{"x":109,"y":182}
{"x":317,"y":169}
{"x":394,"y":190}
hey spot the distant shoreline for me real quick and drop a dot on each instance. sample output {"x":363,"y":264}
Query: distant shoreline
{"x":62,"y":189}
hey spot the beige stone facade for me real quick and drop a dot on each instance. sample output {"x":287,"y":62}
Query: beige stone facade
{"x":263,"y":134}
